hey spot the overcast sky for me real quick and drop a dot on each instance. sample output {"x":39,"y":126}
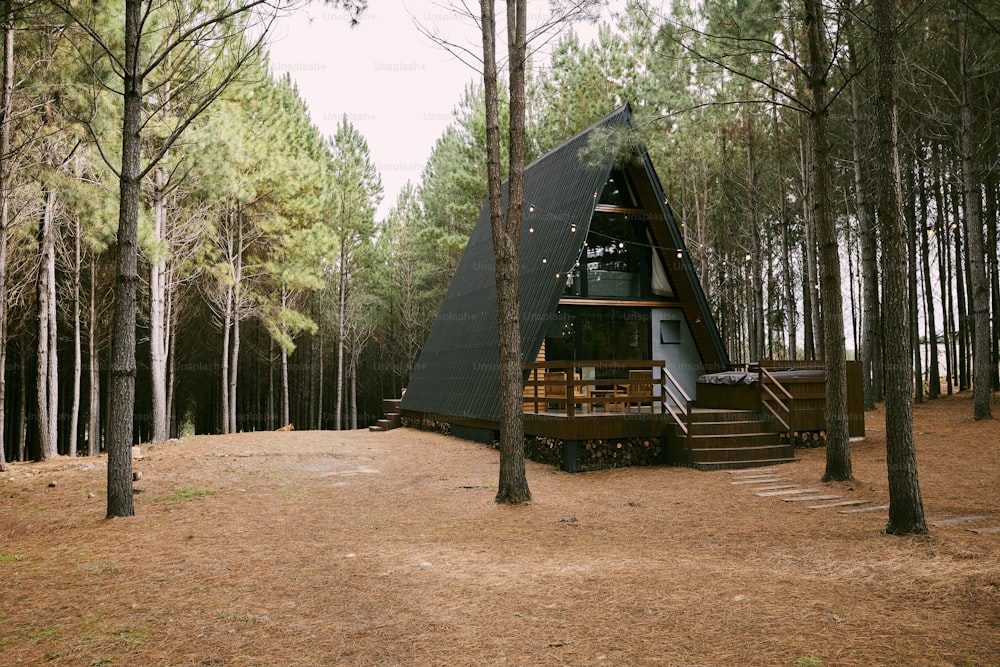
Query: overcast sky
{"x":395,"y":85}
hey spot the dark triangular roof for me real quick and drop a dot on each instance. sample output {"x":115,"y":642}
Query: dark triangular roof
{"x":457,"y":374}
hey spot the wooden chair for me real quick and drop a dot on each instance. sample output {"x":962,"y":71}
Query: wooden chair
{"x":640,"y":390}
{"x":555,"y":387}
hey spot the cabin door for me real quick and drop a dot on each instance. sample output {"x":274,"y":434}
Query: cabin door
{"x":674,"y":344}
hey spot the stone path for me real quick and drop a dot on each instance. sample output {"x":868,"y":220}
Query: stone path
{"x":766,"y":483}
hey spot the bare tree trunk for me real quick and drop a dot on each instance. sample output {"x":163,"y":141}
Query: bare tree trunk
{"x":934,"y":377}
{"x":47,"y":364}
{"x":909,"y":218}
{"x":906,"y":512}
{"x":341,"y":338}
{"x":284,"y":387}
{"x":838,"y":446}
{"x":944,"y":272}
{"x":157,"y":310}
{"x":74,"y":414}
{"x":319,"y":370}
{"x":979,"y":298}
{"x":506,"y":227}
{"x":961,"y":332}
{"x":123,"y":364}
{"x":6,"y":108}
{"x":227,"y":325}
{"x":870,"y":318}
{"x":94,"y":428}
{"x":354,"y":390}
{"x":270,"y":385}
{"x":234,"y":369}
{"x":171,"y":366}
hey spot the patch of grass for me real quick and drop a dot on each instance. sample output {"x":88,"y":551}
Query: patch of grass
{"x":185,"y":494}
{"x":103,"y":660}
{"x":133,"y":637}
{"x":809,"y":661}
{"x":10,"y":558}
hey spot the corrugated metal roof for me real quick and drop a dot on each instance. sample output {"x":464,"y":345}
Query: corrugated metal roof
{"x":457,"y":374}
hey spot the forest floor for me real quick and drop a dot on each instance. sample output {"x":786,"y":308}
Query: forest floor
{"x":357,"y":548}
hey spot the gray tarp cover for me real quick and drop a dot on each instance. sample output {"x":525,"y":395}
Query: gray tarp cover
{"x":737,"y":377}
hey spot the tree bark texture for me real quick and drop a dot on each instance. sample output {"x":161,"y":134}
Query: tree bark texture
{"x":906,"y":512}
{"x":506,"y":228}
{"x":979,"y":298}
{"x":6,"y":108}
{"x":838,"y":445}
{"x":123,"y":365}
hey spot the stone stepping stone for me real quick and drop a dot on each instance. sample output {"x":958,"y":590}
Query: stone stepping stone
{"x":802,"y":499}
{"x":880,"y":508}
{"x":751,"y":471}
{"x":842,"y":503}
{"x":769,"y":480}
{"x":959,"y":520}
{"x":788,"y":492}
{"x":776,"y":488}
{"x":764,"y":476}
{"x":985,"y":531}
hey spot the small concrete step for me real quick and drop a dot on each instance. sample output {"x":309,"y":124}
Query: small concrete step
{"x":375,"y":429}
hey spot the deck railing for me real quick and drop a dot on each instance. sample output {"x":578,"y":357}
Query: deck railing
{"x":778,"y":401}
{"x":573,"y":388}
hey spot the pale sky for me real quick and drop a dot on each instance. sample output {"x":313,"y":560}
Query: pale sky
{"x":396,"y":86}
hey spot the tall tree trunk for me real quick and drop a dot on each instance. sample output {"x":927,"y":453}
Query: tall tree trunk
{"x":944,"y":270}
{"x":227,"y":327}
{"x":74,"y":414}
{"x":123,"y":364}
{"x":979,"y":297}
{"x":838,"y":445}
{"x":934,"y":377}
{"x":961,"y":334}
{"x":993,"y":256}
{"x":284,"y":387}
{"x":6,"y":109}
{"x":341,"y":336}
{"x":319,"y":370}
{"x":157,"y":309}
{"x":94,"y":428}
{"x":47,"y":364}
{"x":171,"y":367}
{"x":234,"y":363}
{"x":910,"y":220}
{"x":870,"y":317}
{"x":506,"y":228}
{"x":270,"y":385}
{"x":906,"y":512}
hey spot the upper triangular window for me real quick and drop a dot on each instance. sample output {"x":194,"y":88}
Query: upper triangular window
{"x":618,"y":191}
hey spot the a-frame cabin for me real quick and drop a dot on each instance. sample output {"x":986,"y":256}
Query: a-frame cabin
{"x":615,"y":327}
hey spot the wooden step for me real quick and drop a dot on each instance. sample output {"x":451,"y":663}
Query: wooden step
{"x":729,"y":440}
{"x":735,"y":465}
{"x":375,"y":429}
{"x":727,"y":427}
{"x":390,"y":405}
{"x":731,"y":454}
{"x":725,"y":416}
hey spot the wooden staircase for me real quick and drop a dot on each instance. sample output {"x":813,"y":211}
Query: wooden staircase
{"x":391,"y":415}
{"x":730,"y":439}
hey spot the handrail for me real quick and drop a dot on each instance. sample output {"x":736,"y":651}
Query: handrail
{"x":787,"y":410}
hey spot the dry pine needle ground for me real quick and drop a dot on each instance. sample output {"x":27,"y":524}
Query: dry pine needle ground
{"x":357,"y":548}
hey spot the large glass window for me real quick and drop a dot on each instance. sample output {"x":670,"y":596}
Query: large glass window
{"x":589,"y":333}
{"x":616,"y":259}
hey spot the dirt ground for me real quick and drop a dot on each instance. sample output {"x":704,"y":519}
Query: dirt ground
{"x":357,"y":548}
